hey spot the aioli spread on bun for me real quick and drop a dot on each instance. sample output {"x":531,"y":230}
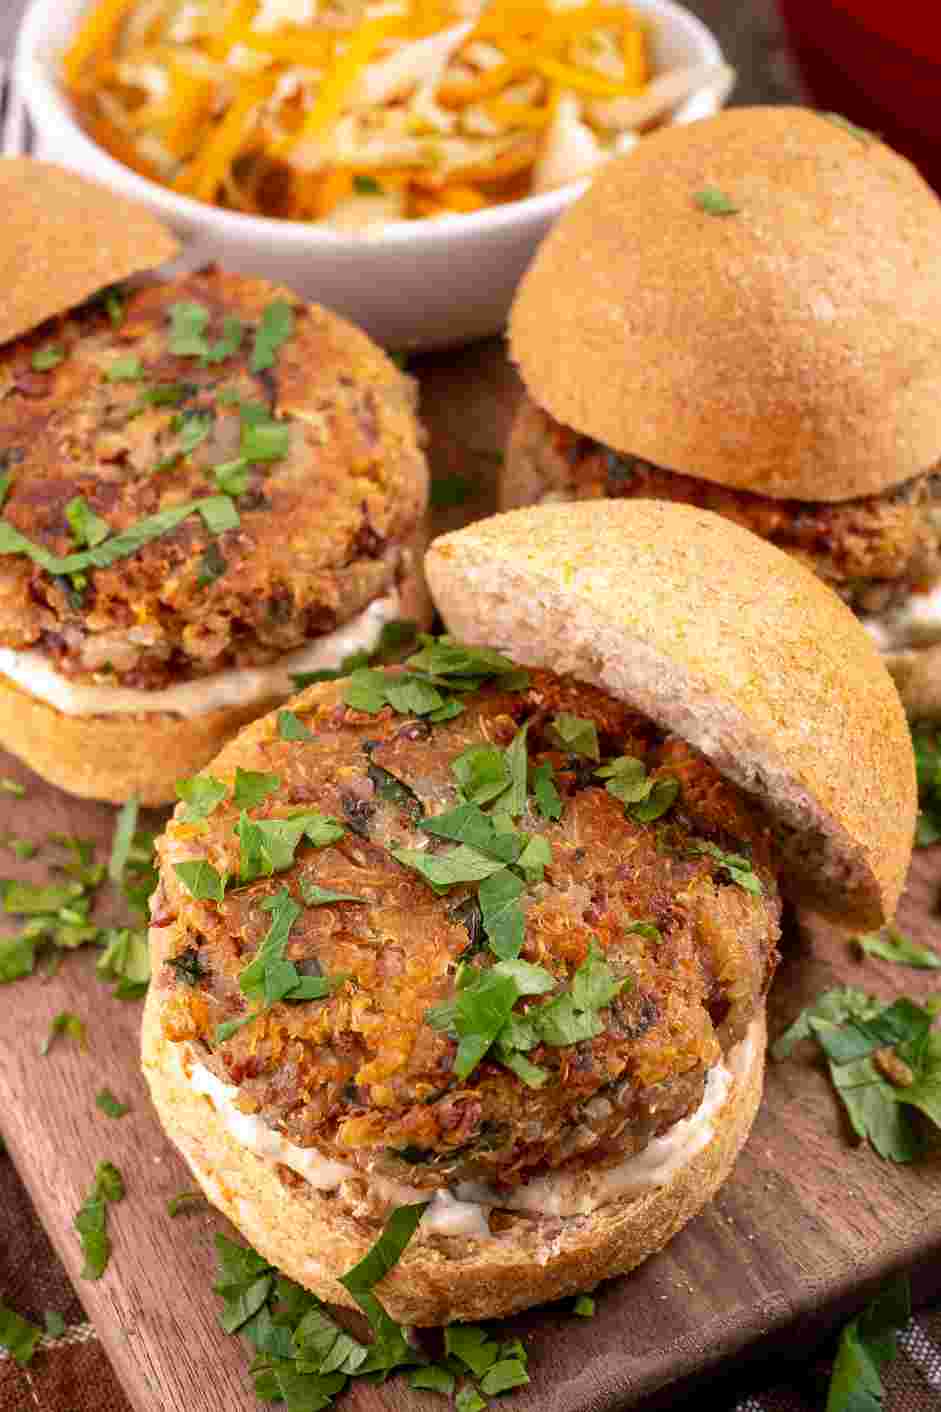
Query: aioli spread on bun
{"x":744,"y":314}
{"x":209,"y":489}
{"x":493,"y":931}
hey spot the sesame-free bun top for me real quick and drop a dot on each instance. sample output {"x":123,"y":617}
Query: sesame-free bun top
{"x":727,"y":641}
{"x":792,"y":348}
{"x":63,"y":239}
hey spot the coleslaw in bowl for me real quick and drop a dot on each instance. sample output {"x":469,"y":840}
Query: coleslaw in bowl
{"x":411,"y":283}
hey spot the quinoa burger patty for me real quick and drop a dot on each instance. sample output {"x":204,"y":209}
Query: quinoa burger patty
{"x":494,"y":941}
{"x":298,"y":432}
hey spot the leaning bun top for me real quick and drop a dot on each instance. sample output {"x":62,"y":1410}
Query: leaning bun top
{"x":63,"y":239}
{"x":728,"y":642}
{"x":792,"y":347}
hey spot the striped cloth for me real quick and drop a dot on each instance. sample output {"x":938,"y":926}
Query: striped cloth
{"x":72,"y":1373}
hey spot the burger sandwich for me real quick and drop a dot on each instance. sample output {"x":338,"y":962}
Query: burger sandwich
{"x":744,"y":314}
{"x":210,"y":492}
{"x":486,"y":938}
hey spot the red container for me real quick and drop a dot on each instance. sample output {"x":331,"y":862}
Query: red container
{"x":877,"y":63}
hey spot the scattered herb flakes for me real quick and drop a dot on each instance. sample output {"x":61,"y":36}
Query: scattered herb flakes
{"x":184,"y":1201}
{"x":366,"y":186}
{"x":87,"y":528}
{"x":114,"y":305}
{"x":927,"y":747}
{"x":715,"y":202}
{"x":291,"y":727}
{"x":467,"y":824}
{"x":891,"y":945}
{"x":47,"y":357}
{"x":482,"y":773}
{"x":8,"y":786}
{"x":55,"y":1324}
{"x":502,"y":915}
{"x":268,"y":845}
{"x":648,"y":930}
{"x":390,"y":1348}
{"x":866,"y":1345}
{"x":645,"y":799}
{"x":188,"y":966}
{"x":125,"y":959}
{"x":232,"y":477}
{"x":91,"y":1220}
{"x":584,"y":1306}
{"x":17,"y":958}
{"x":663,"y":795}
{"x":738,"y":867}
{"x":884,"y":1062}
{"x":229,"y":344}
{"x":445,"y":492}
{"x":517,"y":764}
{"x":575,"y":734}
{"x":188,"y":325}
{"x":469,"y":1399}
{"x":124,"y":831}
{"x":109,"y":1105}
{"x":219,"y":514}
{"x":265,"y":441}
{"x":252,"y":786}
{"x":22,"y":848}
{"x":276,"y":327}
{"x":193,"y":428}
{"x":548,"y":800}
{"x":444,"y":870}
{"x":202,"y":795}
{"x":434,"y":1378}
{"x":502,"y":1376}
{"x":471,"y":1346}
{"x":127,"y":369}
{"x":18,"y":1336}
{"x":201,"y":880}
{"x":315,"y":896}
{"x":212,"y":565}
{"x":70,"y":1027}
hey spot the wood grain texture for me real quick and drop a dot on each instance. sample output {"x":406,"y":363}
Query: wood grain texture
{"x":796,"y":1239}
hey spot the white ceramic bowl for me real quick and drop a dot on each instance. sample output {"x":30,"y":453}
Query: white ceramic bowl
{"x":417,"y":284}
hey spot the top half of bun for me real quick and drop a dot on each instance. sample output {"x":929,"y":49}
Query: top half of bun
{"x":791,"y":347}
{"x":63,"y":239}
{"x":726,"y":641}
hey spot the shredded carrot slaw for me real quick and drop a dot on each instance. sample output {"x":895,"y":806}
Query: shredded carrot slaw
{"x":358,"y":112}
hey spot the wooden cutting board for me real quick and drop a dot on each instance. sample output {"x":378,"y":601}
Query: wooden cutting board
{"x":801,"y":1234}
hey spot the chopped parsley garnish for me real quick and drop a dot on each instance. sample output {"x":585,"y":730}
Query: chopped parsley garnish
{"x":927,"y":747}
{"x":193,"y":429}
{"x":188,"y":325}
{"x":366,"y":186}
{"x":481,"y":772}
{"x":217,"y":512}
{"x":648,"y":930}
{"x":47,"y":357}
{"x":69,"y":1026}
{"x":91,"y":1220}
{"x":315,"y":896}
{"x":575,"y":734}
{"x":866,"y":1345}
{"x":265,"y":441}
{"x":884,"y":1062}
{"x":891,"y":945}
{"x":276,"y":327}
{"x":22,"y":848}
{"x":114,"y":305}
{"x":124,"y":831}
{"x":184,"y":1201}
{"x":548,"y":800}
{"x":252,"y":786}
{"x":230,"y":342}
{"x":715,"y":202}
{"x":270,"y":977}
{"x":201,"y":880}
{"x":109,"y":1105}
{"x":8,"y":786}
{"x":129,"y":369}
{"x":18,"y":1336}
{"x":644,"y":799}
{"x":738,"y":867}
{"x":584,"y":1306}
{"x":188,"y":966}
{"x":212,"y":565}
{"x":440,"y":666}
{"x":232,"y":477}
{"x":87,"y":527}
{"x":126,"y":959}
{"x":55,"y":1324}
{"x":268,"y":845}
{"x":291,"y":727}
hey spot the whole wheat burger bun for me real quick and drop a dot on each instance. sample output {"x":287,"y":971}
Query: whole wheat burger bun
{"x":651,"y":608}
{"x":791,"y":346}
{"x":65,"y":238}
{"x":728,"y":641}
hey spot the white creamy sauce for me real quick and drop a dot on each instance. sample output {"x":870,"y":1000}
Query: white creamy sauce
{"x":916,"y":623}
{"x":465,"y":1209}
{"x":237,"y":686}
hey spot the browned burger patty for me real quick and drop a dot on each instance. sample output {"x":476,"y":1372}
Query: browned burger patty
{"x":367,"y":1075}
{"x":873,"y":551}
{"x":118,"y":418}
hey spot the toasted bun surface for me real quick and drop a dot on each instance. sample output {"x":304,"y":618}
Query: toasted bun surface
{"x":306,"y":1235}
{"x":917,"y":675}
{"x":64,"y":239}
{"x":792,"y":348}
{"x":727,"y":641}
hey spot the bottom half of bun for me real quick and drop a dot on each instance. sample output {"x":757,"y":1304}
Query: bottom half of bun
{"x":313,"y":1237}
